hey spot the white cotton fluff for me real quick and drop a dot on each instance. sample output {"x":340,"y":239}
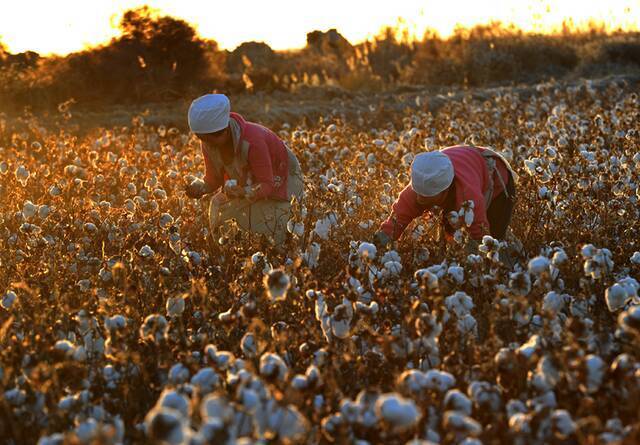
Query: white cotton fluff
{"x":174,"y":400}
{"x":277,"y":284}
{"x":175,"y":306}
{"x":115,"y":323}
{"x":289,"y":424}
{"x":165,"y":425}
{"x":178,"y":374}
{"x":460,"y":303}
{"x":596,"y":368}
{"x":629,"y":320}
{"x":367,"y":250}
{"x":553,"y":302}
{"x":467,"y":324}
{"x":29,"y":210}
{"x":559,"y":257}
{"x":206,"y":380}
{"x":248,"y":345}
{"x":562,"y":423}
{"x":272,"y":365}
{"x":22,"y":175}
{"x":533,"y":345}
{"x":457,"y":273}
{"x":455,"y":421}
{"x":322,"y":227}
{"x":635,"y":258}
{"x":392,"y":268}
{"x":397,"y":411}
{"x":295,"y":228}
{"x":65,"y":346}
{"x":165,"y":220}
{"x":8,"y":299}
{"x":538,"y":265}
{"x":427,"y":277}
{"x":455,"y":400}
{"x":616,"y":297}
{"x":146,"y":252}
{"x":485,"y":394}
{"x":216,"y":407}
{"x":440,"y":381}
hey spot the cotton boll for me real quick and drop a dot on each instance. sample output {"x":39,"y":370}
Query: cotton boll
{"x":248,"y":345}
{"x":206,"y":380}
{"x":175,"y":400}
{"x":400,"y":413}
{"x":277,"y":284}
{"x":427,"y":277}
{"x":290,"y":424}
{"x":538,"y":265}
{"x":322,"y":228}
{"x":178,"y":374}
{"x":29,"y":210}
{"x":166,"y":220}
{"x":440,"y":381}
{"x":616,"y":297}
{"x":154,"y":328}
{"x":367,"y":250}
{"x":553,"y":303}
{"x":175,"y":306}
{"x":392,"y":268}
{"x":460,"y":303}
{"x":295,"y":228}
{"x":115,"y":323}
{"x":8,"y":299}
{"x":457,"y":273}
{"x":22,"y":175}
{"x":65,"y":347}
{"x":455,"y":400}
{"x":272,"y":366}
{"x":165,"y":425}
{"x":216,"y":407}
{"x":562,"y":424}
{"x":467,"y":324}
{"x":146,"y":252}
{"x":596,"y":369}
{"x":484,"y":394}
{"x":635,"y":258}
{"x":457,"y":422}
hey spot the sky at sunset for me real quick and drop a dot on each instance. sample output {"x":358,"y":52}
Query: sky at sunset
{"x":65,"y":26}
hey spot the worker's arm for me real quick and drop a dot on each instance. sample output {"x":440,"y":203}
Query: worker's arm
{"x":212,"y":177}
{"x":404,"y":210}
{"x":259,"y":160}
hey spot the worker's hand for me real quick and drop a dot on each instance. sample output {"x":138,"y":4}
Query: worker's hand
{"x":219,"y":199}
{"x":197,"y":189}
{"x":381,"y":239}
{"x":234,"y":191}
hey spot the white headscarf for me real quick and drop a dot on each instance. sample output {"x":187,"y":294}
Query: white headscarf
{"x":209,"y":113}
{"x":431,"y":173}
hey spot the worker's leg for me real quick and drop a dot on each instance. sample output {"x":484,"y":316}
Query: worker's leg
{"x":500,"y":211}
{"x":267,"y":216}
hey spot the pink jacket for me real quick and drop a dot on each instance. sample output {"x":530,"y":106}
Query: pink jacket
{"x":471,"y":179}
{"x":267,"y":161}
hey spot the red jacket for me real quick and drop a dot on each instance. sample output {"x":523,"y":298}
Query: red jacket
{"x":471,"y":179}
{"x":267,"y":161}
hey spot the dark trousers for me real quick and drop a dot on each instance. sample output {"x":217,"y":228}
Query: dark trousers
{"x":500,"y":210}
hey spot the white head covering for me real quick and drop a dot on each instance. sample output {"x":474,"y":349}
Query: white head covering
{"x":209,"y":113}
{"x":431,"y":173}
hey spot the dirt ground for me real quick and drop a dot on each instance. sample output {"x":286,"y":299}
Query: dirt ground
{"x":312,"y":104}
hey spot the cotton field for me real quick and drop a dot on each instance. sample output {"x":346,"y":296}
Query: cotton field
{"x":123,"y":320}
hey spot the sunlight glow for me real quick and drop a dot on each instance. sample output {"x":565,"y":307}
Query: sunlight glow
{"x":71,"y":25}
